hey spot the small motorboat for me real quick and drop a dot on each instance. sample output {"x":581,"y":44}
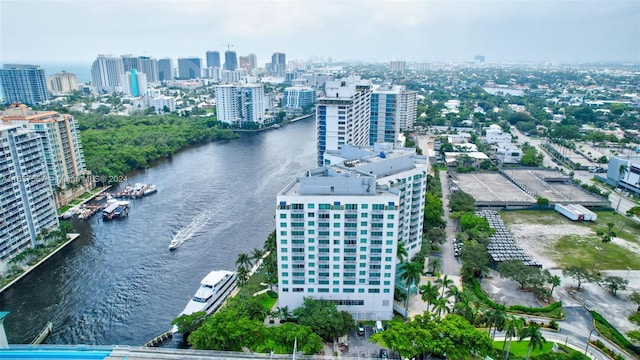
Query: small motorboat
{"x":174,"y":244}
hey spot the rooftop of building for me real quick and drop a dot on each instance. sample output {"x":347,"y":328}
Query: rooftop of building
{"x":23,"y":112}
{"x":336,"y":181}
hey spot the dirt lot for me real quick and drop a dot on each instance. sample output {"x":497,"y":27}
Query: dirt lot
{"x":555,"y":241}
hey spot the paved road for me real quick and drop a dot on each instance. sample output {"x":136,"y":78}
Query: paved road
{"x":450,"y":264}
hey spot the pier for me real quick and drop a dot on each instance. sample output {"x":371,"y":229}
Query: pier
{"x":44,"y":334}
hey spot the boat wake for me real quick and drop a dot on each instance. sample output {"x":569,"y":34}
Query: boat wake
{"x":188,"y":231}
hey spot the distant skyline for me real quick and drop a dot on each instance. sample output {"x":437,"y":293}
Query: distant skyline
{"x":504,"y":31}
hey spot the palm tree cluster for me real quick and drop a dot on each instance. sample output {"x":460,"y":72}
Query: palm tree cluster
{"x":246,"y":261}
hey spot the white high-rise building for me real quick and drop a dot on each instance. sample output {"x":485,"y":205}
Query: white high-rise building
{"x":337,"y":236}
{"x":342,"y":115}
{"x":134,"y":83}
{"x":27,"y":205}
{"x":398,"y":66}
{"x":408,"y":110}
{"x":238,"y":104}
{"x":106,"y":74}
{"x":397,"y":168}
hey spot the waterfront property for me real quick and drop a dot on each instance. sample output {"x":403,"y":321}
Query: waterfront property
{"x":27,"y":198}
{"x":397,"y":168}
{"x":62,"y":148}
{"x":337,"y":234}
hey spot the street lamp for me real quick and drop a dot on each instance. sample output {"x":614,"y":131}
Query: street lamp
{"x":628,"y":269}
{"x":588,"y":340}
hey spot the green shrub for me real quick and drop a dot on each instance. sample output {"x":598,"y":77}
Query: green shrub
{"x":482,"y":296}
{"x":272,"y":294}
{"x":530,"y":310}
{"x":612,"y":333}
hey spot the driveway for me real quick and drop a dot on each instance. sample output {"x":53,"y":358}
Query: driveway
{"x":450,"y":264}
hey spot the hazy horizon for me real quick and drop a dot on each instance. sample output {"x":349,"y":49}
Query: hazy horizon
{"x":520,"y":31}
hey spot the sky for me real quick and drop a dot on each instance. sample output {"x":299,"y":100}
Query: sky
{"x":567,"y":31}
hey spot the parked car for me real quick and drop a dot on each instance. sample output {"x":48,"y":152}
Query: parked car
{"x":384,"y":354}
{"x":361,"y":329}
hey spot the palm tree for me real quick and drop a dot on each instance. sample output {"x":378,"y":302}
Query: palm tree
{"x":410,"y":274}
{"x":466,"y":309}
{"x":256,"y":255}
{"x":441,"y":305}
{"x":436,"y":264}
{"x":444,"y":283}
{"x":555,"y":281}
{"x":535,"y":338}
{"x":270,"y":244}
{"x":512,"y":327}
{"x":455,"y":293}
{"x":497,"y":318}
{"x":243,"y":275}
{"x":622,"y":170}
{"x":429,"y":293}
{"x":606,"y":236}
{"x":401,"y":251}
{"x":243,"y":261}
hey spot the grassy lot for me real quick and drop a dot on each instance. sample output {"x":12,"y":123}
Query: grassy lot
{"x":253,"y":284}
{"x":519,"y":348}
{"x":580,"y":250}
{"x":266,"y":301}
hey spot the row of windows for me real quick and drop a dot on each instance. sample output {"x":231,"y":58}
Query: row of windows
{"x":345,"y":290}
{"x":335,"y":233}
{"x":337,"y":203}
{"x":335,"y":216}
{"x":336,"y":258}
{"x":336,"y":274}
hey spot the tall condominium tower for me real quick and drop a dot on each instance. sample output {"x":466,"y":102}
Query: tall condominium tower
{"x":149,"y":66}
{"x":62,"y":83}
{"x":134,"y":83}
{"x":393,"y":110}
{"x":142,"y":64}
{"x":27,"y":197}
{"x":253,"y":61}
{"x":165,"y":69}
{"x":61,"y":144}
{"x":238,"y":104}
{"x":106,"y":73}
{"x":397,"y":168}
{"x":23,"y":83}
{"x":245,"y":62}
{"x":213,"y":59}
{"x":337,"y":236}
{"x":230,"y":60}
{"x":342,"y":115}
{"x":189,"y":68}
{"x":278,"y":63}
{"x":398,"y":66}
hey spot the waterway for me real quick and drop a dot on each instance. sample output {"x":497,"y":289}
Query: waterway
{"x":119,"y":284}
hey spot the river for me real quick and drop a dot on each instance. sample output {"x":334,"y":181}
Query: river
{"x":119,"y":284}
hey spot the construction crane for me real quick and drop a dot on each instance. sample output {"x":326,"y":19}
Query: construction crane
{"x":228,"y":46}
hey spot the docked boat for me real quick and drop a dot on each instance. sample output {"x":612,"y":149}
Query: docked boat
{"x":213,"y":290}
{"x":115,"y":209}
{"x":150,"y":189}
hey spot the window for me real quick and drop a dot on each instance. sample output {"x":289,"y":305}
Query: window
{"x":363,"y":223}
{"x":283,"y":216}
{"x":310,"y":206}
{"x":283,"y":241}
{"x":374,"y":291}
{"x":336,"y":216}
{"x":364,"y":206}
{"x":311,"y":223}
{"x":284,"y":233}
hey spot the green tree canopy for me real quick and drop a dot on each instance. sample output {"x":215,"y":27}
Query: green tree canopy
{"x":323,"y":317}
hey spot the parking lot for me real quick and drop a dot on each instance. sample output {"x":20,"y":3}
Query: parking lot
{"x":360,"y":346}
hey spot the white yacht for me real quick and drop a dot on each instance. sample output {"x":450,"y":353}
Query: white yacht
{"x":213,"y":290}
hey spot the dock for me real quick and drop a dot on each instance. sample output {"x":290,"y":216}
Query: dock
{"x":159,"y":339}
{"x":44,"y":334}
